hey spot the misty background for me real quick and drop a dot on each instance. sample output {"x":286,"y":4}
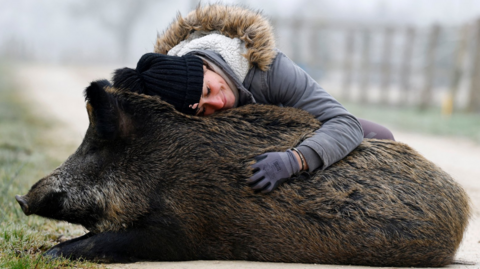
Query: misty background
{"x":120,"y":31}
{"x":404,"y":52}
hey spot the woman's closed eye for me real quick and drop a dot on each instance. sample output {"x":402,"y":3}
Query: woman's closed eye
{"x":201,"y":110}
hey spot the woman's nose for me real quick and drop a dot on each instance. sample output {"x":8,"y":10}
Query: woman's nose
{"x":213,"y":103}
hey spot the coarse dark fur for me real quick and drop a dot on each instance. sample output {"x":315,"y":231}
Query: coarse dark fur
{"x":151,"y":183}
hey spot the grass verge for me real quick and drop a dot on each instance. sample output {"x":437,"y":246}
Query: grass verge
{"x":430,"y":121}
{"x":26,"y":156}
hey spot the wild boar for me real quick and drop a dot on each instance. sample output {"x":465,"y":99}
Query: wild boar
{"x":150,"y":183}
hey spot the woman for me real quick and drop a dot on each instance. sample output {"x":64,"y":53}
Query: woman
{"x":220,"y":57}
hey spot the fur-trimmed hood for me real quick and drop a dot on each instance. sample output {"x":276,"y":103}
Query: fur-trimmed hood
{"x":233,"y":21}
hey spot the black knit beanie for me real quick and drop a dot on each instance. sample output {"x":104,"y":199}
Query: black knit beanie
{"x":177,"y":80}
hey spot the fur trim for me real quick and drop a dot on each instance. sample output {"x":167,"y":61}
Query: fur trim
{"x":233,"y":21}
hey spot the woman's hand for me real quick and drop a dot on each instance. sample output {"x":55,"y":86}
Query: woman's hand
{"x":272,"y":169}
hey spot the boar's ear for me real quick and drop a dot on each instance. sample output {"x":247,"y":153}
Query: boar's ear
{"x":104,"y":112}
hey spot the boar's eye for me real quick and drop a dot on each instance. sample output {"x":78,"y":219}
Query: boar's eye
{"x":101,"y":154}
{"x":96,"y":151}
{"x":93,"y":149}
{"x":94,"y":146}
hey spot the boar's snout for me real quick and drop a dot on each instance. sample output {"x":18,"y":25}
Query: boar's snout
{"x":22,"y":201}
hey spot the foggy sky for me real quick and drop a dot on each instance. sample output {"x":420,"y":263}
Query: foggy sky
{"x":65,"y":31}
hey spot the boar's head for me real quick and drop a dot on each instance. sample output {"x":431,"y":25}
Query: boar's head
{"x":104,"y":185}
{"x":140,"y":157}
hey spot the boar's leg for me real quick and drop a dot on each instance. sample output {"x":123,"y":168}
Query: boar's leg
{"x":117,"y":247}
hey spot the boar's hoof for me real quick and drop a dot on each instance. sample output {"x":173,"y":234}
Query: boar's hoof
{"x":57,"y":253}
{"x":53,"y":253}
{"x":23,"y":203}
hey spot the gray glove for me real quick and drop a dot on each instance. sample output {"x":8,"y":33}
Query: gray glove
{"x":272,"y":169}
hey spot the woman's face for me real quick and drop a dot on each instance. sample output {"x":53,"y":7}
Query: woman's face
{"x":216,"y":95}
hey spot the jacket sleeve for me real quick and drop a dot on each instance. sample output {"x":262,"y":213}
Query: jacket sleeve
{"x":289,"y":85}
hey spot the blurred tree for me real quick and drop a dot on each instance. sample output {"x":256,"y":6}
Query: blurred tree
{"x":474,"y":95}
{"x":118,"y":17}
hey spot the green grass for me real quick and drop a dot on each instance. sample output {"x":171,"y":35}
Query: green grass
{"x":430,"y":121}
{"x":27,"y":154}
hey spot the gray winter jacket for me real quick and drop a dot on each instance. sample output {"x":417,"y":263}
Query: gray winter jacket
{"x":286,"y":84}
{"x":269,"y":77}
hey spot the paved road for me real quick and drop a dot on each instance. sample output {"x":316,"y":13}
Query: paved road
{"x":58,"y":91}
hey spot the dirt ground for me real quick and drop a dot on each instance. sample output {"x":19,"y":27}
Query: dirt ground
{"x":58,"y":91}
